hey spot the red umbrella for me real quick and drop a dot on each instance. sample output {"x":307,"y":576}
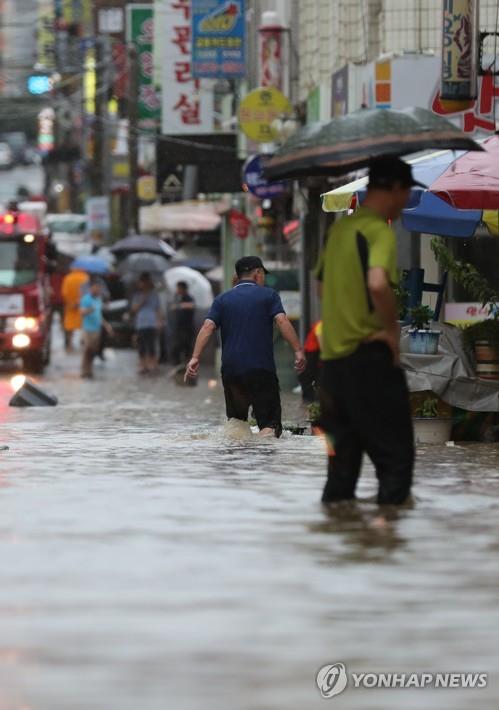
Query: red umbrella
{"x":472,"y":181}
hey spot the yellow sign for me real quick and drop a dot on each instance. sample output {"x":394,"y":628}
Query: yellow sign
{"x":259,"y":109}
{"x":146,"y":188}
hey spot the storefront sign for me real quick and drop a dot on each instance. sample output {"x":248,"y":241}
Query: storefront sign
{"x":98,"y":214}
{"x":271,"y":57}
{"x":459,"y":51}
{"x":259,"y":109}
{"x":218,"y":35}
{"x":140,"y":31}
{"x":462,"y":313}
{"x":254,"y":181}
{"x":480,"y":115}
{"x":46,"y":139}
{"x":187,"y":102}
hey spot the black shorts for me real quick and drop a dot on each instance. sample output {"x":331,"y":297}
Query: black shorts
{"x":146,"y":342}
{"x":258,"y":389}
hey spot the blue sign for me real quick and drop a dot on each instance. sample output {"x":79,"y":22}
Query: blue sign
{"x":38,"y":85}
{"x":256,"y":183}
{"x":218,"y":39}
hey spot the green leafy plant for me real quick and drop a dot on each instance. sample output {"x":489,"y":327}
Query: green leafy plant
{"x":474,"y":283}
{"x":421,"y":317}
{"x":428,"y":408}
{"x":478,"y":288}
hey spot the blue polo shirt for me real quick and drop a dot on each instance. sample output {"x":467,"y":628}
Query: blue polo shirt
{"x":245,"y":316}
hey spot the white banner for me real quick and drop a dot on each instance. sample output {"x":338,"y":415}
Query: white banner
{"x":187,"y":103}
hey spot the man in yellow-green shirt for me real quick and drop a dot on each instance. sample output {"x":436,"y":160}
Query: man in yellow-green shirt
{"x":364,"y":396}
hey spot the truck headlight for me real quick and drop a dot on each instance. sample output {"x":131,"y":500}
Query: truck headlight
{"x":25,"y":323}
{"x":21,"y":341}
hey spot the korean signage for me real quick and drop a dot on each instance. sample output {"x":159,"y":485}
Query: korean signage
{"x":187,"y":102}
{"x":218,"y":32}
{"x":45,"y":34}
{"x":140,"y":31}
{"x":480,"y":115}
{"x":459,"y":50}
{"x":271,"y":57}
{"x":258,"y":111}
{"x":254,"y":181}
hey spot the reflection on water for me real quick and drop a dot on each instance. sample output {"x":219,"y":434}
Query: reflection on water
{"x":153,"y":558}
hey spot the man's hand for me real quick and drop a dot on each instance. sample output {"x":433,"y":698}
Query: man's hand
{"x":300,"y":361}
{"x":192,"y":369}
{"x":392,"y":339}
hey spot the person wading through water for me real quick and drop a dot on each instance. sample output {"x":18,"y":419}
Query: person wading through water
{"x":246,"y":315}
{"x":363,"y":393}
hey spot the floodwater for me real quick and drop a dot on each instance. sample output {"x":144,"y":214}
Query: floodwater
{"x":151,"y":561}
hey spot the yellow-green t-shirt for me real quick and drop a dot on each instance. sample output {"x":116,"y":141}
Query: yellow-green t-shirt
{"x":355,"y":244}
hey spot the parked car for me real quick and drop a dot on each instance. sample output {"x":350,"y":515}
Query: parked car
{"x":18,"y":144}
{"x":6,"y":157}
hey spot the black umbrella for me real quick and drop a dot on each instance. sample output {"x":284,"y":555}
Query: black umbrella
{"x":143,"y":243}
{"x":344,"y":144}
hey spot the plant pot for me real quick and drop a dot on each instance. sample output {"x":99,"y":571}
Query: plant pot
{"x":423,"y":342}
{"x":487,"y":360}
{"x":432,"y":430}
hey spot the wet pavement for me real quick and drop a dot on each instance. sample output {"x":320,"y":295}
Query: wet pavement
{"x":149,"y":560}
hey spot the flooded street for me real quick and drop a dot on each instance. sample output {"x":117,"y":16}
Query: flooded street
{"x":150,"y":561}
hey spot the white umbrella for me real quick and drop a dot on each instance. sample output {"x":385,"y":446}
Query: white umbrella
{"x":199,"y":286}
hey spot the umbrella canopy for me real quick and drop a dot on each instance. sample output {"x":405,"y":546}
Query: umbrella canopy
{"x":90,"y":264}
{"x":143,"y":243}
{"x":199,"y":286}
{"x":472,"y":181}
{"x":143,"y":262}
{"x":424,"y":213}
{"x":350,"y":142}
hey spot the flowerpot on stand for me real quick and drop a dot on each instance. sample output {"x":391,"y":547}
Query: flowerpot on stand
{"x":432,"y":430}
{"x":423,"y":342}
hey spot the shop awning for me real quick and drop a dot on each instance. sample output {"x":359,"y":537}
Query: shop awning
{"x":182,"y":216}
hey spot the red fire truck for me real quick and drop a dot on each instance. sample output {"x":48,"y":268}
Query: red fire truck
{"x":24,"y":291}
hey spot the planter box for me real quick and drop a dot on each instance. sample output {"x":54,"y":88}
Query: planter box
{"x":423,"y":342}
{"x":487,"y":360}
{"x":432,"y":430}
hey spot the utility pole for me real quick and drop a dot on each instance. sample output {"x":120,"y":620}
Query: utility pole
{"x":133,"y":138}
{"x":99,"y":132}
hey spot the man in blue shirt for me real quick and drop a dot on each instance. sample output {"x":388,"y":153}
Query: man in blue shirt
{"x":246,"y":315}
{"x":91,"y":311}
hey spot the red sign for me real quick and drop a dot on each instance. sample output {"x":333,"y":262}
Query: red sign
{"x":240,"y":224}
{"x":481,"y":115}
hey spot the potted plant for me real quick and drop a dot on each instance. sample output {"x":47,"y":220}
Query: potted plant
{"x":429,"y":426}
{"x":482,"y":338}
{"x":422,"y":340}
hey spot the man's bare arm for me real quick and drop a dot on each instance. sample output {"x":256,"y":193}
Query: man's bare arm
{"x":385,"y":304}
{"x":289,"y":334}
{"x":202,"y":340}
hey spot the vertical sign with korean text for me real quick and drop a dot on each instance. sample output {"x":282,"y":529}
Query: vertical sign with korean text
{"x":140,"y":31}
{"x":187,"y":103}
{"x":218,"y":35}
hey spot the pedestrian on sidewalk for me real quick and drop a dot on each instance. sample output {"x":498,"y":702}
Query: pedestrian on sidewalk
{"x":246,"y":315}
{"x":146,"y":308}
{"x":183,"y":309}
{"x":363,"y":392}
{"x":92,"y":323}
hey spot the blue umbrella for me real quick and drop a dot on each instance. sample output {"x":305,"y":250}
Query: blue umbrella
{"x":434,"y":216}
{"x":90,"y":264}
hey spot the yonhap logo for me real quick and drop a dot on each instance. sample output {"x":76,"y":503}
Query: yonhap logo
{"x":332,"y":679}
